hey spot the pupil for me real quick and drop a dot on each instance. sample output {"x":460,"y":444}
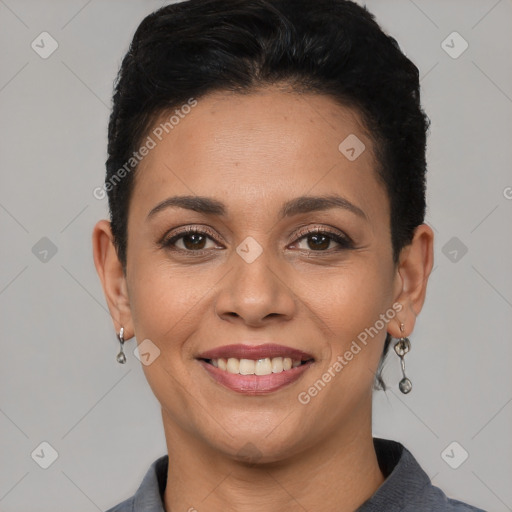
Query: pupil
{"x":195,"y":236}
{"x":323,"y":245}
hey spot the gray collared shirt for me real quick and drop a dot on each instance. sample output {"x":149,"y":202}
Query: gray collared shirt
{"x":407,"y":487}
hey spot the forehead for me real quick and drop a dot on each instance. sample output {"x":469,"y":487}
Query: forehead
{"x":265,"y":146}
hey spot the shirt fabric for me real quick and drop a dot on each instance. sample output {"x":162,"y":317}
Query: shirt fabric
{"x":407,"y":488}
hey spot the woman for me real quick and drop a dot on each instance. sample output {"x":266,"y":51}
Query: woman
{"x":266,"y":247}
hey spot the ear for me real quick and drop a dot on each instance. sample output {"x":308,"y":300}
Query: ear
{"x":413,"y":270}
{"x":113,"y":279}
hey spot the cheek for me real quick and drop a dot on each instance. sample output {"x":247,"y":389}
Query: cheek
{"x":353,"y":306}
{"x":350,"y":296}
{"x":164,"y":303}
{"x":350,"y":303}
{"x":166,"y":306}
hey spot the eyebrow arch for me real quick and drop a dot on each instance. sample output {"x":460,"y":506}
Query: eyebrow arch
{"x":296,"y":206}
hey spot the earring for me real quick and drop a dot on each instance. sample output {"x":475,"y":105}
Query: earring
{"x":402,"y":346}
{"x":121,"y":358}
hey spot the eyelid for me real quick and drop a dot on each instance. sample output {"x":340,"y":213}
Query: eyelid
{"x":177,"y":232}
{"x":302,"y":232}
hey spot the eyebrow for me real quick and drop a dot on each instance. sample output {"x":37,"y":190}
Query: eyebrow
{"x":296,"y":206}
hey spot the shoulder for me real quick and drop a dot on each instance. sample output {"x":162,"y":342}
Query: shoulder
{"x":434,"y":499}
{"x":407,"y":487}
{"x":124,"y":506}
{"x":149,"y":495}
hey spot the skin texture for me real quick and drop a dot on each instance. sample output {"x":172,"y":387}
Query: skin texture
{"x":229,"y":451}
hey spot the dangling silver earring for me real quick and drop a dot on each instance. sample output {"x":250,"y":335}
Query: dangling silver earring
{"x":121,"y":358}
{"x":402,"y":346}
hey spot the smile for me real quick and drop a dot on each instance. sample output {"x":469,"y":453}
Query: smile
{"x":255,"y":369}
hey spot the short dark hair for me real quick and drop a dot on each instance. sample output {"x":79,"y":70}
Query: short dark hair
{"x":331,"y":47}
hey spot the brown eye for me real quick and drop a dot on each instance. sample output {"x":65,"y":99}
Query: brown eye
{"x":320,"y":241}
{"x":191,"y":240}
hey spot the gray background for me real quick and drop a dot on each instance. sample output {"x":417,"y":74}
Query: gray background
{"x":60,"y":382}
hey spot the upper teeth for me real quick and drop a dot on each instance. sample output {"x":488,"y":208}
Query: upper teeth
{"x":264,"y":366}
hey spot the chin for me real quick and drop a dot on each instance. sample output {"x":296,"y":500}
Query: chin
{"x":269,"y":444}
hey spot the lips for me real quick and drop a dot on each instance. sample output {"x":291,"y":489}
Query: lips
{"x":255,"y":369}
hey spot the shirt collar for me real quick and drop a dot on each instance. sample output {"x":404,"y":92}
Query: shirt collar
{"x":149,"y":495}
{"x":404,"y":480}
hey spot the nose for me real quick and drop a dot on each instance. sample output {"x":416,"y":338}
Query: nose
{"x":255,"y":293}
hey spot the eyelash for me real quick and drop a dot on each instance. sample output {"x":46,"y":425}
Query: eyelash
{"x":344,"y":241}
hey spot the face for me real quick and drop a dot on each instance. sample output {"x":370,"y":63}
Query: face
{"x":252,"y":273}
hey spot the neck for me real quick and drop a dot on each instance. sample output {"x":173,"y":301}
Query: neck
{"x":340,"y":473}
